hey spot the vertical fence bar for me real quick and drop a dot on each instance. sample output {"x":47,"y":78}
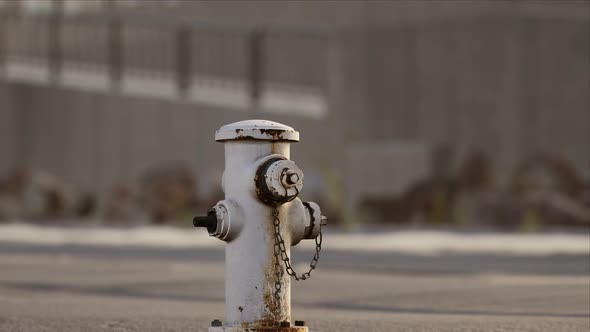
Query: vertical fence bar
{"x":3,"y":41}
{"x":114,"y":46}
{"x":115,"y":53}
{"x":256,"y":63}
{"x":412,"y":118}
{"x":54,"y":53}
{"x":183,"y":60}
{"x":115,"y":49}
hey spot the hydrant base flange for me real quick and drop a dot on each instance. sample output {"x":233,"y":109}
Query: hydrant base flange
{"x":259,"y":329}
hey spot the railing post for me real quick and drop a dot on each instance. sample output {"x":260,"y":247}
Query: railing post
{"x":3,"y":42}
{"x":115,"y":53}
{"x":183,"y":60}
{"x":114,"y":47}
{"x":54,"y":52}
{"x":256,"y":63}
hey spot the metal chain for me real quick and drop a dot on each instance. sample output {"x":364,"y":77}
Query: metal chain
{"x":277,"y":252}
{"x":280,"y":253}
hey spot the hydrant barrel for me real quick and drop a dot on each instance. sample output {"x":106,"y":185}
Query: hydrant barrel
{"x":250,"y":270}
{"x":260,"y":218}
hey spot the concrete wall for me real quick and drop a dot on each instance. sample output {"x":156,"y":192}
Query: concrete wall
{"x":511,"y":87}
{"x":9,"y":129}
{"x":511,"y":80}
{"x":94,"y":141}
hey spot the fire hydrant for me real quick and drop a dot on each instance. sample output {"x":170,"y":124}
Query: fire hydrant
{"x":260,"y":218}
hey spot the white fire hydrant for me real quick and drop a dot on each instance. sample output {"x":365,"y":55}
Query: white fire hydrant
{"x":260,"y":219}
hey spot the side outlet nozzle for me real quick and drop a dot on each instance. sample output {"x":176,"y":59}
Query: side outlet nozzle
{"x":209,"y":222}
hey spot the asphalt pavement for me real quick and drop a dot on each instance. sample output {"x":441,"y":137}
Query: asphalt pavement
{"x":85,"y":288}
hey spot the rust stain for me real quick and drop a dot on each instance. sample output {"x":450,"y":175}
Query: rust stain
{"x":270,"y":326}
{"x":274,"y":133}
{"x":277,"y":329}
{"x":241,"y":136}
{"x":244,"y":137}
{"x":260,"y":324}
{"x":273,"y":313}
{"x":309,"y":231}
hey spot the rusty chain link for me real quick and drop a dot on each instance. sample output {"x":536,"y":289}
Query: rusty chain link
{"x":280,"y":253}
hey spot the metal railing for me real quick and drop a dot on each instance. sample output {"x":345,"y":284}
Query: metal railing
{"x":184,"y":52}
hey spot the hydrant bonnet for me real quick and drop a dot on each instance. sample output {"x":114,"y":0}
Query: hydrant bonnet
{"x":257,"y":130}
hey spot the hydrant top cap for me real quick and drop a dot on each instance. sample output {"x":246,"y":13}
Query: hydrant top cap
{"x":257,"y":130}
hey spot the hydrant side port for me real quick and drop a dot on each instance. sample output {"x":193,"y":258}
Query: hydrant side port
{"x":261,"y":186}
{"x":304,"y":220}
{"x":223,"y":221}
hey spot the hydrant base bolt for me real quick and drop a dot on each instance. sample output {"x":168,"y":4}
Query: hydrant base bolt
{"x":300,"y":323}
{"x":216,"y":323}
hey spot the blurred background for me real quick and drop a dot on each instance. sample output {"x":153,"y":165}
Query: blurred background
{"x":447,"y":141}
{"x":461,"y":113}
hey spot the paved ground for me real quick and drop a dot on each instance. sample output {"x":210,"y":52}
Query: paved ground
{"x":78,"y":288}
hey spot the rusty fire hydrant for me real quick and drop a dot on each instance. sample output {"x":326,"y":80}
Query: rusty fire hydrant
{"x":260,"y":219}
